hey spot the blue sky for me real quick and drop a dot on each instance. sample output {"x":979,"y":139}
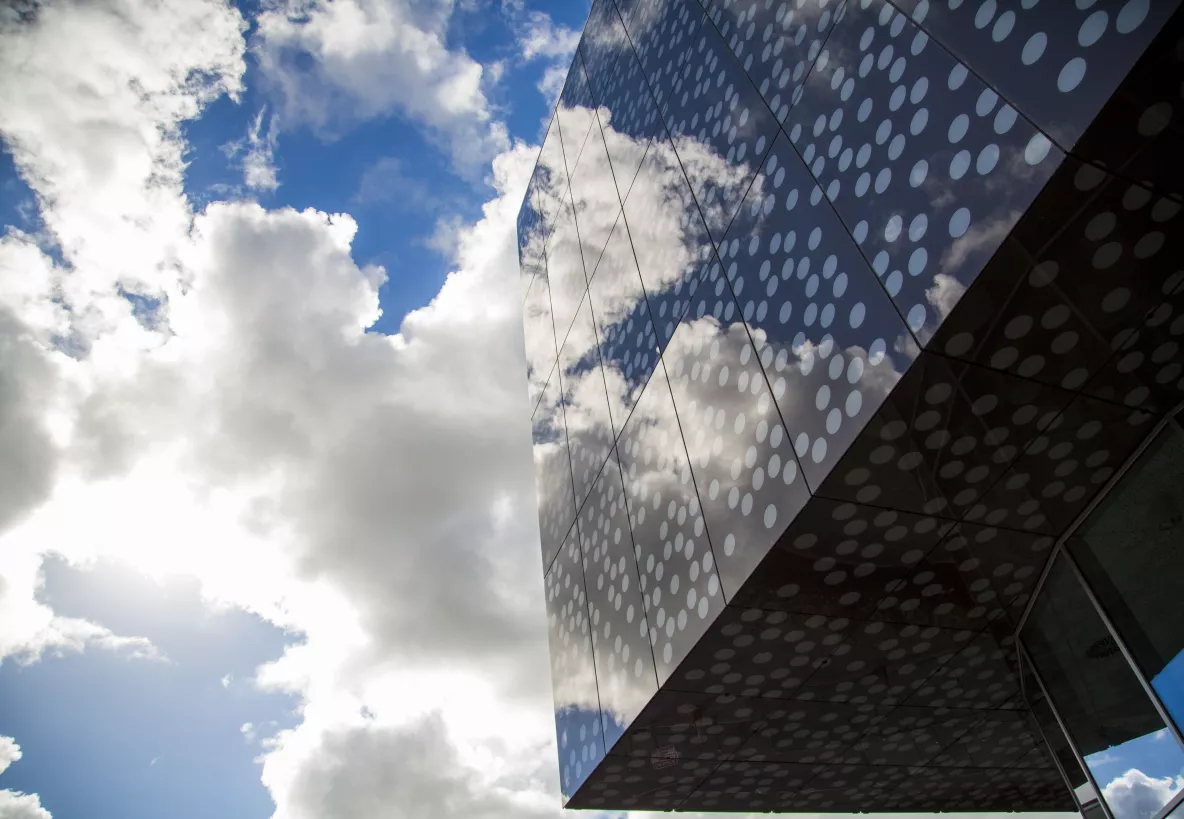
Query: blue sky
{"x":265,"y":552}
{"x":108,"y":733}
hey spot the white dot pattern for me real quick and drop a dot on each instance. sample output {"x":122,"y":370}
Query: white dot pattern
{"x":741,"y":456}
{"x":661,"y":32}
{"x":577,"y":710}
{"x":927,"y":167}
{"x":715,"y":107}
{"x":815,"y":313}
{"x":679,"y":579}
{"x":1120,"y":252}
{"x":776,"y":43}
{"x":620,"y":629}
{"x":1057,"y":61}
{"x":830,"y":342}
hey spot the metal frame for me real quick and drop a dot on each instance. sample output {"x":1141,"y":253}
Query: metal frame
{"x":1060,"y":550}
{"x":1089,"y":775}
{"x":1025,"y":665}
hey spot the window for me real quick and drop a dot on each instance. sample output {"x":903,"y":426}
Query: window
{"x":1131,"y":551}
{"x":1100,"y":701}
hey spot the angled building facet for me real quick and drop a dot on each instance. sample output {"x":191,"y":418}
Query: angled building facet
{"x":852,"y":337}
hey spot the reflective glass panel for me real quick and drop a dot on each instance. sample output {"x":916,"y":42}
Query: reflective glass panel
{"x":1130,"y":552}
{"x":925,"y":164}
{"x":573,"y":675}
{"x":1113,"y":723}
{"x":620,"y":632}
{"x":679,"y":579}
{"x":552,"y":469}
{"x":629,"y":348}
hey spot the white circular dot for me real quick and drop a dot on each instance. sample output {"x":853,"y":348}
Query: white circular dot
{"x":958,"y":128}
{"x":1092,"y":29}
{"x":1131,"y":16}
{"x":1071,"y":75}
{"x":988,"y":158}
{"x":959,"y":222}
{"x":1037,"y":149}
{"x":1034,"y":48}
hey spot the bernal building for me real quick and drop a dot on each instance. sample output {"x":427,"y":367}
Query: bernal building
{"x":853,"y":344}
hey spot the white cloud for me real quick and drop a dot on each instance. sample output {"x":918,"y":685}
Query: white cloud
{"x":540,"y":37}
{"x":258,"y":153}
{"x":334,"y":64}
{"x":10,"y":752}
{"x":16,"y":805}
{"x":370,"y":493}
{"x":13,"y":804}
{"x":1134,"y":795}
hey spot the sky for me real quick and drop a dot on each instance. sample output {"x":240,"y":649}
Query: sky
{"x":268,"y":536}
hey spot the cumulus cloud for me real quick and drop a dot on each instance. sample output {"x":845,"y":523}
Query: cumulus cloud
{"x":371,"y":493}
{"x":14,"y":804}
{"x":1134,"y":795}
{"x":10,"y":752}
{"x":334,"y":64}
{"x":540,"y":39}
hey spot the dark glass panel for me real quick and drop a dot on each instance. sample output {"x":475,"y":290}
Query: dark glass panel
{"x":573,"y":674}
{"x":776,"y":42}
{"x":720,"y":127}
{"x":1099,"y":699}
{"x":741,"y":457}
{"x":539,"y":334}
{"x":927,"y":167}
{"x":552,"y":470}
{"x":620,"y":632}
{"x":1058,"y":61}
{"x":629,"y":346}
{"x":678,"y":573}
{"x":1067,"y":297}
{"x":1129,"y":549}
{"x":831,"y":343}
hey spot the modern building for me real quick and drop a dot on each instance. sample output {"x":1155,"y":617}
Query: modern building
{"x":853,"y":334}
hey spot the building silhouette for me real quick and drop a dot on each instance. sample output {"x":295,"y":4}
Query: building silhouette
{"x":852,"y":333}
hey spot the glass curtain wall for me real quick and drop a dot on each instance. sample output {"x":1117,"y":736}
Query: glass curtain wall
{"x":1104,"y":642}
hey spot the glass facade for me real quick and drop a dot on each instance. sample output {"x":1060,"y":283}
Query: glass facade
{"x":840,"y":318}
{"x":1104,"y":640}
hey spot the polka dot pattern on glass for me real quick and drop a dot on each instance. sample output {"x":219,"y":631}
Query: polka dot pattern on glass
{"x":679,"y":579}
{"x":620,"y":630}
{"x":577,"y":709}
{"x":1058,"y":62}
{"x":777,"y":43}
{"x":830,"y":343}
{"x":926,"y":166}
